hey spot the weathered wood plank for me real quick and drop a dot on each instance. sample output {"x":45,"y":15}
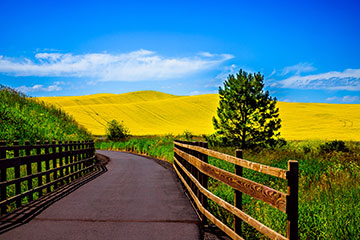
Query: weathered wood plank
{"x":273,"y":171}
{"x":275,"y":198}
{"x":207,"y":214}
{"x":233,"y":209}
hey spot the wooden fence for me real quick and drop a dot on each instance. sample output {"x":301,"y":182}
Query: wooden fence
{"x":29,"y":171}
{"x":192,"y":167}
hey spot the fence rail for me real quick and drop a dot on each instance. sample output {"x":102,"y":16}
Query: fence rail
{"x":28,"y":172}
{"x":193,"y":169}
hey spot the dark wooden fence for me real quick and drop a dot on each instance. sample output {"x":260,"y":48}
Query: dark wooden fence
{"x":29,"y":171}
{"x":191,"y":166}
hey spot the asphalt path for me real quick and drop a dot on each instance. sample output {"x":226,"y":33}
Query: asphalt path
{"x":135,"y":199}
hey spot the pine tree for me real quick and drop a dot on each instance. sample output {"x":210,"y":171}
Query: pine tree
{"x":247,"y":115}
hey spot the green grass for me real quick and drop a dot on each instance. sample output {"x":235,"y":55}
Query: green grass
{"x":10,"y":175}
{"x":23,"y":118}
{"x":159,"y":147}
{"x":329,"y":186}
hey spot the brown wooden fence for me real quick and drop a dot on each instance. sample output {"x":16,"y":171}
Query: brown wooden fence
{"x":29,"y":171}
{"x":191,"y":166}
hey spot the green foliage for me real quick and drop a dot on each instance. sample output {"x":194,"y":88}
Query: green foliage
{"x":329,"y":186}
{"x":336,"y":145}
{"x":116,"y":131}
{"x":24,"y":118}
{"x":246,"y":116}
{"x":188,"y":135}
{"x":159,"y":147}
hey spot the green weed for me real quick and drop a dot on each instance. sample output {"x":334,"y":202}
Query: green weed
{"x":329,"y":185}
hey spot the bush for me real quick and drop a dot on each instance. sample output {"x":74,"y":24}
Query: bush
{"x":188,"y":135}
{"x":116,"y":131}
{"x":336,"y":145}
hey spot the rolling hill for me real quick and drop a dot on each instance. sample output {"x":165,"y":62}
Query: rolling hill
{"x":151,"y":113}
{"x":23,"y":118}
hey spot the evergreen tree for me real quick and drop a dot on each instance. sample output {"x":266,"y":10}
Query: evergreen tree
{"x":247,"y":115}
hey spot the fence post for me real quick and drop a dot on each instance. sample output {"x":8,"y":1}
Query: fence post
{"x":78,"y":158}
{"x":47,"y":166}
{"x":61,"y":162}
{"x":204,"y":181}
{"x":17,"y":175}
{"x":29,"y":171}
{"x":198,"y":174}
{"x":292,"y":199}
{"x":238,"y":194}
{"x":3,"y":178}
{"x":54,"y":165}
{"x":39,"y":167}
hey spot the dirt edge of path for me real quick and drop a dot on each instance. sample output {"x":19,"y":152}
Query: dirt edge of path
{"x":102,"y":159}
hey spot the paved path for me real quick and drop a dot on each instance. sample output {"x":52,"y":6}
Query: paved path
{"x":135,"y":199}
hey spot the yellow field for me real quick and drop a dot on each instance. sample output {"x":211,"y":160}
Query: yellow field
{"x":150,"y":113}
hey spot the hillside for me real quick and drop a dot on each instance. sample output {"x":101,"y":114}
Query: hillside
{"x":24,"y":118}
{"x":151,"y":112}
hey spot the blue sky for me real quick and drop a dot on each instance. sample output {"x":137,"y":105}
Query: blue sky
{"x":308,"y":51}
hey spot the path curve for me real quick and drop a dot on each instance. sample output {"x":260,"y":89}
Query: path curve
{"x":135,"y":199}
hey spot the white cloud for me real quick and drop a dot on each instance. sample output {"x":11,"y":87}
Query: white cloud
{"x":349,"y":80}
{"x":272,"y":73}
{"x":345,"y":99}
{"x":195,"y":93}
{"x":41,"y":88}
{"x":298,"y":68}
{"x":133,"y":66}
{"x":224,"y":74}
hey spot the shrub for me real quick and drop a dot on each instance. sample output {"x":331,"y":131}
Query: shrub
{"x":188,"y":135}
{"x":336,"y":145}
{"x":116,"y":131}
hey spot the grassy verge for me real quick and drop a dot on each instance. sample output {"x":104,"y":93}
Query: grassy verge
{"x":329,"y":185}
{"x":158,"y":147}
{"x":23,"y":118}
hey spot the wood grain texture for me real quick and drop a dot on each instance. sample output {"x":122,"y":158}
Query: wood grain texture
{"x":273,"y":171}
{"x":271,"y":196}
{"x":207,"y":214}
{"x":234,"y":210}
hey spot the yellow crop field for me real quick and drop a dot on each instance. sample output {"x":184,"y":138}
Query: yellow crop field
{"x":156,"y":113}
